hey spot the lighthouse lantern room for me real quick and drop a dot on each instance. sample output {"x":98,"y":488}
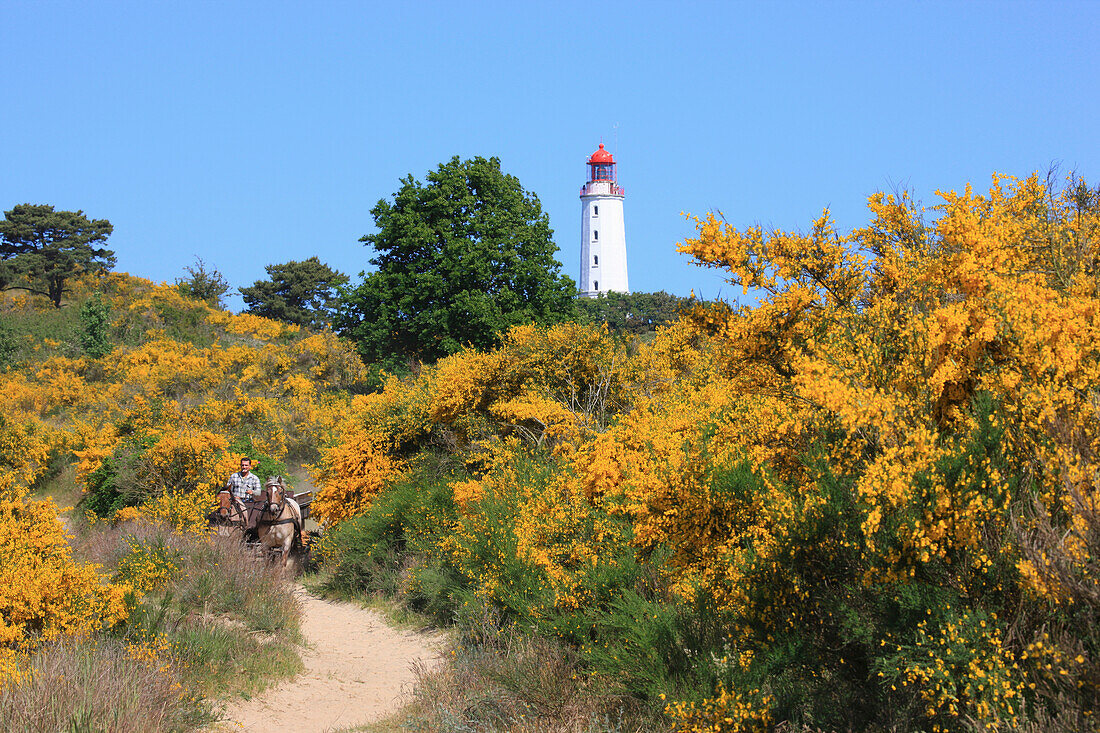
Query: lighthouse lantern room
{"x":603,"y":232}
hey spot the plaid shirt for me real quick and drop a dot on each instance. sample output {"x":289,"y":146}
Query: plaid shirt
{"x":238,"y":485}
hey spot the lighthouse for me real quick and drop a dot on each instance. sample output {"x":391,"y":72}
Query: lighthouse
{"x":603,"y":233}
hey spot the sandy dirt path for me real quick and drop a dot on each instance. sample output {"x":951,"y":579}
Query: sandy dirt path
{"x":358,"y":670}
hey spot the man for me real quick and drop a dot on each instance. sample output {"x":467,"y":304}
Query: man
{"x":245,"y":488}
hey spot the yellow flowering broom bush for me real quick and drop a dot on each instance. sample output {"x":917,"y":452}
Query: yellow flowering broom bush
{"x":350,"y":475}
{"x":44,"y":592}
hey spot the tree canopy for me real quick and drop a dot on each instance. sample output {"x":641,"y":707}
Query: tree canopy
{"x":303,"y":292}
{"x":41,"y":249}
{"x":635,"y":313}
{"x":459,"y":259}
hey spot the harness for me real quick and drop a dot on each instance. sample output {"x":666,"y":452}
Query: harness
{"x":276,"y":510}
{"x":272,"y":522}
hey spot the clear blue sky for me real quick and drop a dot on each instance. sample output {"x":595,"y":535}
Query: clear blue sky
{"x":256,"y":133}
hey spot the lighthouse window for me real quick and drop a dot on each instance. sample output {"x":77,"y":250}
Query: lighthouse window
{"x":595,"y":260}
{"x":595,"y":284}
{"x":596,"y":235}
{"x":595,"y":211}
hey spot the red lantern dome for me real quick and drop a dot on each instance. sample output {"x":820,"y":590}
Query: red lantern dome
{"x":600,"y":156}
{"x":601,"y":166}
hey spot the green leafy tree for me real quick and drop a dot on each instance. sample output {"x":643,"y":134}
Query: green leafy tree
{"x":201,"y":284}
{"x":459,"y":258}
{"x":304,"y":292}
{"x":42,"y":249}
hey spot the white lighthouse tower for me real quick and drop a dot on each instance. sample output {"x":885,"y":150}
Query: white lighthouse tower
{"x":603,"y":233}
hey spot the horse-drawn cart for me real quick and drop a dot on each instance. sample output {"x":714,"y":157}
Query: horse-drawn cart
{"x":279,"y":520}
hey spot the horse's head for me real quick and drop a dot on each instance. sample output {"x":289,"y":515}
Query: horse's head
{"x":274,"y":491}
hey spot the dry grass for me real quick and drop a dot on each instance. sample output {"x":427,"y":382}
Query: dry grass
{"x":215,"y":577}
{"x":98,"y":685}
{"x":61,"y":486}
{"x":509,"y":682}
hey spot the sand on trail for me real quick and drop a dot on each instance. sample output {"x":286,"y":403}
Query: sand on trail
{"x":358,"y":670}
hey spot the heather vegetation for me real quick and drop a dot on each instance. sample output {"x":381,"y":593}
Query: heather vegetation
{"x":866,"y":501}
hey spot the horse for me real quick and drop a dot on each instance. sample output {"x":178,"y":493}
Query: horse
{"x":280,"y":526}
{"x":229,"y":515}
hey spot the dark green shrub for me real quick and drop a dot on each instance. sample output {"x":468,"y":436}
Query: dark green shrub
{"x":95,"y":321}
{"x":208,"y":286}
{"x":114,"y":484}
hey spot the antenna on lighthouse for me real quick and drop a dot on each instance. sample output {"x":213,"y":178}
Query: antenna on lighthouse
{"x":615,"y":135}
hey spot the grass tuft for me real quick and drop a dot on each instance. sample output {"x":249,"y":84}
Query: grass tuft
{"x":511,"y":682}
{"x":101,"y":684}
